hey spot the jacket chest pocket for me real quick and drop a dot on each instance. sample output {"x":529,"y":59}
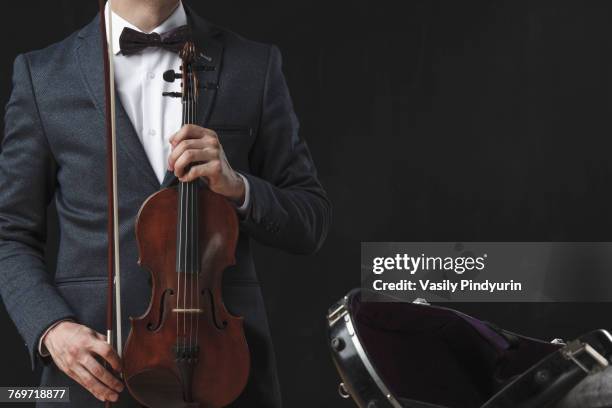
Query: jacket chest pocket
{"x":237,"y":142}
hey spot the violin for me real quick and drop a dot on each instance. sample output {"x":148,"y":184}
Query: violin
{"x":186,"y":350}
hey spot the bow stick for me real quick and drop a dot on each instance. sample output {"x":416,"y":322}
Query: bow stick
{"x":113,"y":265}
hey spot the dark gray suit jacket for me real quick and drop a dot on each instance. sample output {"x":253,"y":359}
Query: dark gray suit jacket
{"x":54,"y":149}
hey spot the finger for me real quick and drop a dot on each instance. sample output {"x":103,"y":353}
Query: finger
{"x":182,"y":147}
{"x":186,"y":132}
{"x":102,"y":374}
{"x":211,"y":138}
{"x":104,"y":350}
{"x":192,"y":156}
{"x":207,"y":170}
{"x":190,"y":132}
{"x":91,"y":384}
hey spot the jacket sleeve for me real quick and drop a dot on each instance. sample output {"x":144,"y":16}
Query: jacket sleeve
{"x":27,"y":177}
{"x":289,"y":208}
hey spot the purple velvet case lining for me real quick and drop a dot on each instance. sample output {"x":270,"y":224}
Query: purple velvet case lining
{"x":441,"y":356}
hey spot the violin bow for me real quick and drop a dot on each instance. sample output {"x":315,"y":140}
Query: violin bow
{"x":113,"y":265}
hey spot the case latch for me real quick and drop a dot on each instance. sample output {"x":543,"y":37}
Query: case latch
{"x":575,"y":349}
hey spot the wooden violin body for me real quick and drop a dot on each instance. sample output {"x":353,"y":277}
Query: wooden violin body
{"x":187,"y":350}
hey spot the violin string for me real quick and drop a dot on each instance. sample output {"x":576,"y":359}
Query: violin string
{"x":183,"y":246}
{"x":178,"y":271}
{"x":185,"y":191}
{"x":197,"y":266}
{"x":193,"y":246}
{"x":194,"y":276}
{"x":189,"y":210}
{"x":191,"y":226}
{"x":195,"y":219}
{"x":191,"y":264}
{"x":180,"y":249}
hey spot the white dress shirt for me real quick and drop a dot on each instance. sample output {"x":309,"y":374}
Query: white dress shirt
{"x":139,"y":85}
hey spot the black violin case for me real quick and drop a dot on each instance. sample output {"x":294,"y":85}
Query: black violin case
{"x":414,"y":355}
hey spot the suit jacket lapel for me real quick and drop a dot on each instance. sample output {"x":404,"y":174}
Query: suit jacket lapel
{"x":210,"y":53}
{"x":89,"y":56}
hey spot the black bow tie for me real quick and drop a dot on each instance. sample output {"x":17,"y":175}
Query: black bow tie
{"x":132,"y":41}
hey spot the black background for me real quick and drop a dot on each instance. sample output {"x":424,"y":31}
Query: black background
{"x":437,"y":120}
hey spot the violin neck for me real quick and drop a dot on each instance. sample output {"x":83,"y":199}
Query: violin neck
{"x":189,"y":116}
{"x":187,"y":242}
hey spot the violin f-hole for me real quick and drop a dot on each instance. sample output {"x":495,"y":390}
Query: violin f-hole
{"x":162,"y":311}
{"x":211,"y":298}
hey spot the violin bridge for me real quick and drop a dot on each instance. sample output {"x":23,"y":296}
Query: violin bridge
{"x":187,"y":310}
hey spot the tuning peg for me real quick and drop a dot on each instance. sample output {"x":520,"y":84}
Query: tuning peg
{"x":170,"y":75}
{"x":172,"y":94}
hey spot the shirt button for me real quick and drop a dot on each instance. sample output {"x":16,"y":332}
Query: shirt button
{"x":151,"y":75}
{"x":152,"y":132}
